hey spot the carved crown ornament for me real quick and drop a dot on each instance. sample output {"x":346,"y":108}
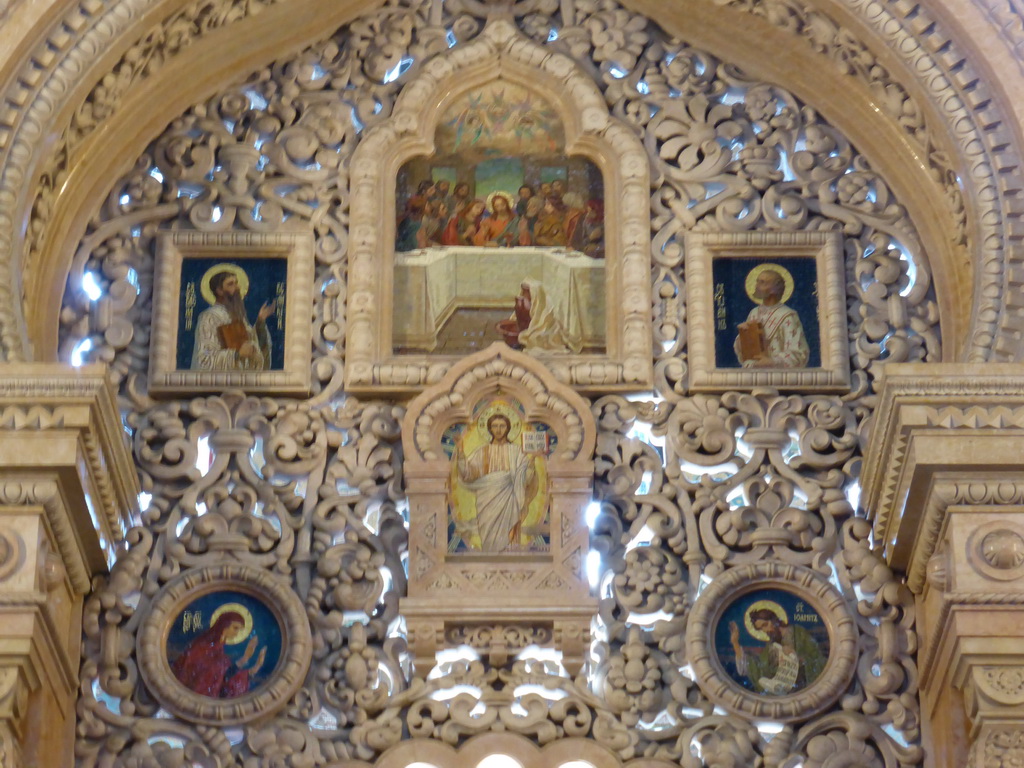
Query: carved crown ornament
{"x":499,"y":470}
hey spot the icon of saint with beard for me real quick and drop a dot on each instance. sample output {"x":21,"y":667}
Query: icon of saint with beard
{"x":225,"y":340}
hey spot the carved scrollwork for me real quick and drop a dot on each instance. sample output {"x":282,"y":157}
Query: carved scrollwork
{"x":998,"y":747}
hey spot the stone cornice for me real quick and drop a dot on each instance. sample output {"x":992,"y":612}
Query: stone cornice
{"x":73,"y":418}
{"x":943,"y":435}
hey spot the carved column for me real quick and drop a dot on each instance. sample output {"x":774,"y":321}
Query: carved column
{"x":66,"y":487}
{"x":944,"y":480}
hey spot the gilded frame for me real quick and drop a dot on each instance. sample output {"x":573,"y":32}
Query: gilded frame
{"x":801,"y":582}
{"x":289,"y":253}
{"x":502,"y":54}
{"x":286,"y":676}
{"x":705,"y":306}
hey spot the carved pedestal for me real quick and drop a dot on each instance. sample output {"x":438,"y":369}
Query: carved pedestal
{"x":66,"y":485}
{"x":944,"y":479}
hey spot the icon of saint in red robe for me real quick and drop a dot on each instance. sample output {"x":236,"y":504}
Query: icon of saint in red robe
{"x":205,"y":666}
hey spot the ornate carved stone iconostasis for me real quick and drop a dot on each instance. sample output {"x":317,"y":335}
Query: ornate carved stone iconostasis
{"x":734,"y":511}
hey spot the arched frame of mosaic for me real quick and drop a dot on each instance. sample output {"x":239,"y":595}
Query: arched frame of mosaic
{"x":501,"y":55}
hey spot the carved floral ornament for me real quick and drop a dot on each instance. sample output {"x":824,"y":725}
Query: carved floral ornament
{"x":683,"y":489}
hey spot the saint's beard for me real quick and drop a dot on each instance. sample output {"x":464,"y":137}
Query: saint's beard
{"x":235,"y":305}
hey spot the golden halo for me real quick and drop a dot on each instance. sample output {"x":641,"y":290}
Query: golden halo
{"x":506,"y":410}
{"x":237,"y":271}
{"x":772,"y":606}
{"x":242,"y":611}
{"x":508,"y":199}
{"x":752,"y":275}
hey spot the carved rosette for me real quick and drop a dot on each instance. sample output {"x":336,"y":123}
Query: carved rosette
{"x":772,"y":696}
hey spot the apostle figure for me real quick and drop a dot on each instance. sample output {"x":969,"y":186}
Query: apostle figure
{"x":205,"y":666}
{"x":789,"y":660}
{"x":772,"y":336}
{"x":224,"y":338}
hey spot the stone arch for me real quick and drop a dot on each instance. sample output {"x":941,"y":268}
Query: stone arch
{"x":51,"y":86}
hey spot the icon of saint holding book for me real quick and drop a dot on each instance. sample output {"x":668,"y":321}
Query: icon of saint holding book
{"x":225,"y":340}
{"x":772,"y":336}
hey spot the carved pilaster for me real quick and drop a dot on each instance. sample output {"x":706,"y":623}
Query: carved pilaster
{"x":944,"y":481}
{"x":66,"y":488}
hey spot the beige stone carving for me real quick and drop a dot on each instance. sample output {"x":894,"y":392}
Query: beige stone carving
{"x":12,"y":552}
{"x":67,"y":490}
{"x":517,"y":747}
{"x":1004,"y":684}
{"x":1002,"y":549}
{"x":995,"y":549}
{"x":945,"y":78}
{"x":690,"y":487}
{"x":926,"y":418}
{"x":500,"y":54}
{"x":510,"y":524}
{"x":999,"y":747}
{"x":932,"y":42}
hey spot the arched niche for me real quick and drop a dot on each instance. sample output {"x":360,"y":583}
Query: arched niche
{"x":500,"y":56}
{"x":497,"y":529}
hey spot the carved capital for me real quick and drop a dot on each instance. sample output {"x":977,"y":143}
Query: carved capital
{"x":62,"y":447}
